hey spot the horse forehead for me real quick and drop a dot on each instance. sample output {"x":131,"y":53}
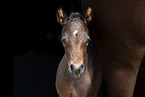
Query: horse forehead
{"x":76,"y":27}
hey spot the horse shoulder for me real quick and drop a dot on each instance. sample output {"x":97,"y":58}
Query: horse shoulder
{"x":60,"y":76}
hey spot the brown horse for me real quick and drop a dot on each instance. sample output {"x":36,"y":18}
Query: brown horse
{"x":118,"y":34}
{"x":79,"y":73}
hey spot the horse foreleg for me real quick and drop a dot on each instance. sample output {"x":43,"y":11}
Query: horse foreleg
{"x":120,"y":76}
{"x":121,"y":82}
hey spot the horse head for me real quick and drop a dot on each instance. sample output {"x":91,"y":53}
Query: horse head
{"x":75,"y":39}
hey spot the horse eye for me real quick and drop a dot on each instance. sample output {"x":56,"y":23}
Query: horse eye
{"x":63,"y":41}
{"x":88,"y":41}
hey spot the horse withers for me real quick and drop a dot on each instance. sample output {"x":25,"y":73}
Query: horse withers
{"x":79,"y":73}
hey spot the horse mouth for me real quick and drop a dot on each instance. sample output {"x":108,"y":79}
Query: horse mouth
{"x":74,"y":76}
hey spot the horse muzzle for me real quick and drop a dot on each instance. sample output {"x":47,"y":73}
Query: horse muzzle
{"x":74,"y":72}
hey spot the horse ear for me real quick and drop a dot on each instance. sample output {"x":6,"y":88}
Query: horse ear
{"x":61,"y":16}
{"x":88,"y":15}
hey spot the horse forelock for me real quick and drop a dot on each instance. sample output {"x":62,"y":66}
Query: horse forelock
{"x":75,"y":15}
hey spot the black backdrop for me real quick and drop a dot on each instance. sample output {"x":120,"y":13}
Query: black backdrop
{"x":36,"y":47}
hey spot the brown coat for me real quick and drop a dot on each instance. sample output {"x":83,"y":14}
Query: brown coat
{"x":118,"y":32}
{"x":87,"y":86}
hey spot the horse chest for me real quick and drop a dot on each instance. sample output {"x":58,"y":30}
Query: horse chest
{"x":80,"y":88}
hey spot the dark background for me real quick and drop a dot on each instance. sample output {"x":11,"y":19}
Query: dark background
{"x":36,"y":48}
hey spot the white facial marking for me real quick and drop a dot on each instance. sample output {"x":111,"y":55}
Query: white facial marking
{"x":75,"y":33}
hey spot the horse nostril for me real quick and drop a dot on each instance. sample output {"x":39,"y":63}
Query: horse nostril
{"x":82,"y":68}
{"x":72,"y":67}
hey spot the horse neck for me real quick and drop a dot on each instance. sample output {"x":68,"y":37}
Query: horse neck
{"x":93,"y":64}
{"x":90,"y":59}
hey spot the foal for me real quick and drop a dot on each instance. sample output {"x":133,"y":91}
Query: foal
{"x":79,"y":73}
